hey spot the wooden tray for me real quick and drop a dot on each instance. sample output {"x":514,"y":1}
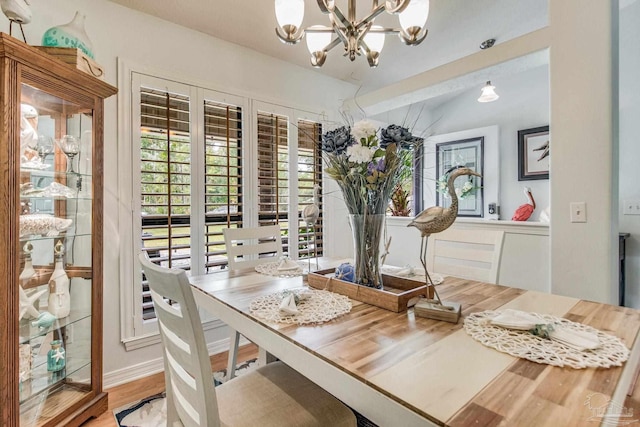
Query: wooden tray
{"x":75,"y":57}
{"x":397,"y":294}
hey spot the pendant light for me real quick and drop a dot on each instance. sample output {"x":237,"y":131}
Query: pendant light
{"x":488,"y":93}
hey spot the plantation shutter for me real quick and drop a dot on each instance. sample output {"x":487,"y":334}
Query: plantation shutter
{"x":223,"y":178}
{"x":273,"y":172}
{"x":309,"y":175}
{"x":165,"y":188}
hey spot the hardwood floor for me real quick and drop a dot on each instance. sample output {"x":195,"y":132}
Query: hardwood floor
{"x":136,"y":390}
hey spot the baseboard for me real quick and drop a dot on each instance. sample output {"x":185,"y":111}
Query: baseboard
{"x":150,"y":367}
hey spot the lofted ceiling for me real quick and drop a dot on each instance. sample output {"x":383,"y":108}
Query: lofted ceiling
{"x":456,"y":29}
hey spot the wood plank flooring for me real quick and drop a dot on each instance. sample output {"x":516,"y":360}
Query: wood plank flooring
{"x":136,"y":390}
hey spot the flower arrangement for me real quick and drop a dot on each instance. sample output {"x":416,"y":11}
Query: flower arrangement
{"x":367,"y":166}
{"x":467,"y":188}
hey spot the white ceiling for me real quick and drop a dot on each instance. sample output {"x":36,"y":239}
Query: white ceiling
{"x":456,"y":29}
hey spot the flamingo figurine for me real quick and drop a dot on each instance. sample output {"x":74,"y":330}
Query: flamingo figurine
{"x":524,"y":212}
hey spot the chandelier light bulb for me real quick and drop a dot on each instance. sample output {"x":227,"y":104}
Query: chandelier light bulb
{"x":415,"y":15}
{"x":375,"y":41}
{"x":316,"y":42}
{"x":488,"y":93}
{"x":289,"y":12}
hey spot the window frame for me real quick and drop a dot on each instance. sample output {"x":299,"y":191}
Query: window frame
{"x":136,"y":333}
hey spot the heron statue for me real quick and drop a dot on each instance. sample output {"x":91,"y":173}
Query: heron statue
{"x":310,"y":215}
{"x":437,"y":219}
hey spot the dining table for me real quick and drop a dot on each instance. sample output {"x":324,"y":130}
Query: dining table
{"x":399,"y":369}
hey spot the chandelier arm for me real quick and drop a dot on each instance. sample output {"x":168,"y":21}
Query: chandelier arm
{"x":396,"y":6}
{"x":377,"y":10}
{"x":335,"y":42}
{"x":326,"y":6}
{"x":289,"y":39}
{"x":336,"y":13}
{"x":340,"y":32}
{"x":415,"y":40}
{"x":372,"y":57}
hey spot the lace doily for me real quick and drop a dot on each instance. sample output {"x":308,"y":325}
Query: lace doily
{"x":271,"y":269}
{"x":321,"y":307}
{"x":612,"y":351}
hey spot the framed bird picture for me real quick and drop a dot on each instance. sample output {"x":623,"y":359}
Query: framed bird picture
{"x":533,"y":153}
{"x":465,"y":153}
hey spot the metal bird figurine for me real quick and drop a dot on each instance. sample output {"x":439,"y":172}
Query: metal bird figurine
{"x":524,"y":211}
{"x":17,"y":11}
{"x":310,"y":215}
{"x":436,"y":219}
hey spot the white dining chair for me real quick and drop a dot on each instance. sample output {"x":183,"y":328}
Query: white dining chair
{"x":468,"y":254}
{"x":246,"y":248}
{"x":272,"y":395}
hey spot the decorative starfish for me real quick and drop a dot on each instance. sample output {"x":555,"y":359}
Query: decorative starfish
{"x":27,"y":303}
{"x":58,"y":354}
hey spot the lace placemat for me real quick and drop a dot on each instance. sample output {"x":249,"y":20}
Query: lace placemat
{"x":319,"y":307}
{"x":523,"y":344}
{"x":271,"y":269}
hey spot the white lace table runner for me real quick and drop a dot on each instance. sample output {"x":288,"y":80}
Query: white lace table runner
{"x":271,"y":269}
{"x":320,"y":307}
{"x":523,"y":344}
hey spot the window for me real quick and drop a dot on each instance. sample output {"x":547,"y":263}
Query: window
{"x":289,"y":166}
{"x":309,"y":176}
{"x":223,"y":178}
{"x":194,"y":169}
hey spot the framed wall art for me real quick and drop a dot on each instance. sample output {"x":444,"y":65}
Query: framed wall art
{"x":533,"y":153}
{"x":467,"y":153}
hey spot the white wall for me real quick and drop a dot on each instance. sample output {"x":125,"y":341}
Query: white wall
{"x":523,"y":104}
{"x":629,"y":142}
{"x":119,"y":32}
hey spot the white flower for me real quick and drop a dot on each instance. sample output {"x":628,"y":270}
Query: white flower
{"x":363,"y":130}
{"x":359,"y":154}
{"x":458,"y":192}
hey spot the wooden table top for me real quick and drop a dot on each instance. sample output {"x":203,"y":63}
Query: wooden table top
{"x":436,"y":370}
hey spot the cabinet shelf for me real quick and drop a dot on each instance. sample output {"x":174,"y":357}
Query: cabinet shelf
{"x":42,"y":380}
{"x":56,"y":175}
{"x":29,"y":333}
{"x":62,"y":235}
{"x":43,"y":274}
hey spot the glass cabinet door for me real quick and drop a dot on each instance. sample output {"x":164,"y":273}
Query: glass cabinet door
{"x":56,"y":241}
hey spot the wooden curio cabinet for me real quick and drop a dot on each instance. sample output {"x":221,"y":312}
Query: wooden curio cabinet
{"x":51,"y":209}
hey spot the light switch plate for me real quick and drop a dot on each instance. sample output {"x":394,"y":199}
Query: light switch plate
{"x":578,"y":212}
{"x":631,"y":207}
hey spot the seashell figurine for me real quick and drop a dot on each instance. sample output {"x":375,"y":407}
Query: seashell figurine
{"x":43,"y":225}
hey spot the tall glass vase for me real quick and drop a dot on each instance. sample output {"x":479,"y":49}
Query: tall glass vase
{"x":367,"y":232}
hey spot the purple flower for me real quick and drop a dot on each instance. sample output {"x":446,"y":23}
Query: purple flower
{"x":337,"y":140}
{"x":376,"y":166}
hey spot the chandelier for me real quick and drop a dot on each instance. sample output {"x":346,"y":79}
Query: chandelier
{"x":357,"y":37}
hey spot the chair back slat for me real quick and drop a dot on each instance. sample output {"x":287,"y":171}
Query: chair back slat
{"x":468,"y":254}
{"x":190,"y":389}
{"x":248,"y":247}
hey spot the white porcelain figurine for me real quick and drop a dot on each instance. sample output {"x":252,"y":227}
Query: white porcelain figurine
{"x":59,"y":297}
